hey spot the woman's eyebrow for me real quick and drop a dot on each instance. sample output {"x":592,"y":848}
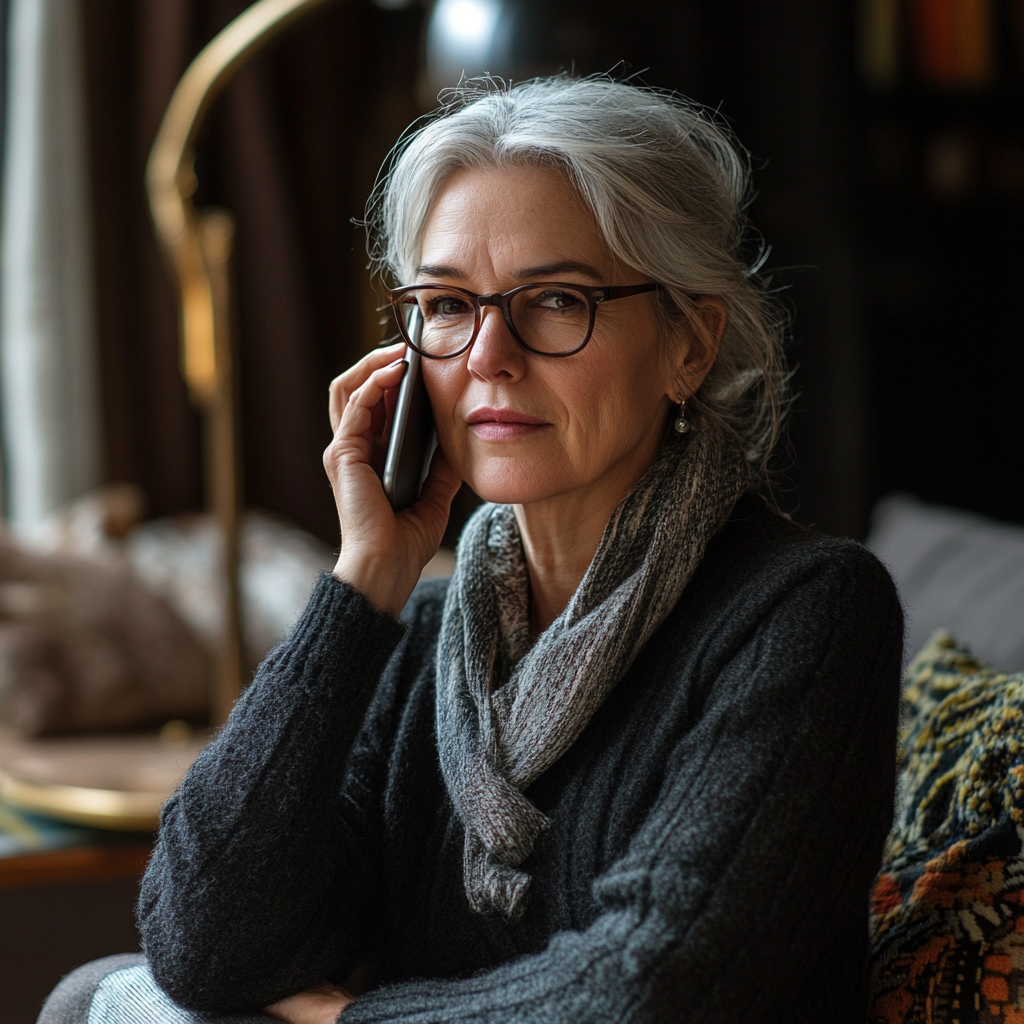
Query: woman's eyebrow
{"x":525,"y":274}
{"x":438,"y":270}
{"x":561,"y":267}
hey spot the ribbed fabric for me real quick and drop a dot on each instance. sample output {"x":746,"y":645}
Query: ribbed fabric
{"x":69,"y":1002}
{"x":714,"y":829}
{"x":130,"y":996}
{"x":121,"y":990}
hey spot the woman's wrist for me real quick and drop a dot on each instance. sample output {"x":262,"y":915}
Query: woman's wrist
{"x":386,"y":588}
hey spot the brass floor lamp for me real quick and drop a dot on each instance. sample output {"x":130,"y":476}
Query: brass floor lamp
{"x":123,"y":783}
{"x":199,"y":244}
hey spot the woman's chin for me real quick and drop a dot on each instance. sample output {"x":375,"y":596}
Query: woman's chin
{"x":513,"y":485}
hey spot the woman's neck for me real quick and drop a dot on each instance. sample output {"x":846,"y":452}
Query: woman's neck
{"x":561,"y":536}
{"x":557,"y":558}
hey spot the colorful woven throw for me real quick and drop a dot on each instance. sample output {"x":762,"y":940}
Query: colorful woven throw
{"x":947,"y":919}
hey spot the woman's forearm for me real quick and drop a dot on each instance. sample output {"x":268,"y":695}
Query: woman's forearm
{"x":255,"y":888}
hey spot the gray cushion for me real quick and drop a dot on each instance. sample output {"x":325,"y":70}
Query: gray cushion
{"x":956,"y":571}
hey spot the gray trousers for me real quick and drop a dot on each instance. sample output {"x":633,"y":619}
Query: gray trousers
{"x":121,"y":990}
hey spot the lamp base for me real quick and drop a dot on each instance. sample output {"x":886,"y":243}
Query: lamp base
{"x":114,"y":782}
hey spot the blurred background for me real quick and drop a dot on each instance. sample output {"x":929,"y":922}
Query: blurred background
{"x":887,"y":140}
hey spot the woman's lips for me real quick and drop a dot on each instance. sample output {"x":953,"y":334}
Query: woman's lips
{"x":503,"y":424}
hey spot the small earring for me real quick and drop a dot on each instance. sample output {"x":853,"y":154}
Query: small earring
{"x":682,"y":425}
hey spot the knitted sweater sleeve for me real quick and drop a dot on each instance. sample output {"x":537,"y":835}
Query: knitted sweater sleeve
{"x":776,"y":801}
{"x":259,"y":883}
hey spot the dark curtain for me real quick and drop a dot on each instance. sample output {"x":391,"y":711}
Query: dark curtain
{"x":291,"y":149}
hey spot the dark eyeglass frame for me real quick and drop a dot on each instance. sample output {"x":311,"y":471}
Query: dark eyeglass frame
{"x":594,"y":294}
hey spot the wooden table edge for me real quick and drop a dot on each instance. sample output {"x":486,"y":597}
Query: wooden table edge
{"x":75,"y":864}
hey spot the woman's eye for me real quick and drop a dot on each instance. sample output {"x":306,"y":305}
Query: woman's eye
{"x":447,"y":305}
{"x":558,"y":300}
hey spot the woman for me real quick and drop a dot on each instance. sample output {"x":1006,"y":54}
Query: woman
{"x":635,"y":760}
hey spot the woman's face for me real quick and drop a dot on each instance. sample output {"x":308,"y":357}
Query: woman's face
{"x":520,"y":427}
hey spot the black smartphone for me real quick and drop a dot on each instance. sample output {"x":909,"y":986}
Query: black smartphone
{"x":413,"y":436}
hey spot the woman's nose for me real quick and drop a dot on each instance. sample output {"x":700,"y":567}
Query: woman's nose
{"x":495,"y":355}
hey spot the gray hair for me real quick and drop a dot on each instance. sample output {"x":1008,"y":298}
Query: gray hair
{"x":668,"y":187}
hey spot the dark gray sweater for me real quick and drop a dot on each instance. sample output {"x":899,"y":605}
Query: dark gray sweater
{"x":715,"y":829}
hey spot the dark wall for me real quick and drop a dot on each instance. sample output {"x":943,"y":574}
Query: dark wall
{"x":941,"y":215}
{"x":781,"y":75}
{"x":906,"y":287}
{"x":784,"y":79}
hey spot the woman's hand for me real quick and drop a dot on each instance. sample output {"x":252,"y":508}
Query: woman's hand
{"x":318,"y":1005}
{"x":382,"y":552}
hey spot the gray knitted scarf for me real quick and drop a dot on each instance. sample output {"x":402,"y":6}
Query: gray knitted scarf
{"x":506,"y":711}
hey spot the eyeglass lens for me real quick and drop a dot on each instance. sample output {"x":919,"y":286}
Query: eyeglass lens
{"x":547,"y":320}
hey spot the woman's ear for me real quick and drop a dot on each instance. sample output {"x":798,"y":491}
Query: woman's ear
{"x":699,"y":339}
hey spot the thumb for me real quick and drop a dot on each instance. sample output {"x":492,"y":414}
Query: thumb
{"x":440,"y":487}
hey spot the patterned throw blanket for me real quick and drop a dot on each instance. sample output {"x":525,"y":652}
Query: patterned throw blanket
{"x":947,"y":917}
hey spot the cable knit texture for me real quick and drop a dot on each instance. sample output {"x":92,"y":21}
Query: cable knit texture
{"x":506,"y":710}
{"x":714,"y":830}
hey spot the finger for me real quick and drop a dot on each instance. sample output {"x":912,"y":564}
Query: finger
{"x":379,"y":417}
{"x":372,"y":393}
{"x":328,"y":988}
{"x":345,"y":383}
{"x":439,"y":490}
{"x":373,"y":360}
{"x":353,"y":438}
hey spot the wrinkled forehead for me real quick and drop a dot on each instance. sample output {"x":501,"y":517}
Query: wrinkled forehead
{"x":510,"y":219}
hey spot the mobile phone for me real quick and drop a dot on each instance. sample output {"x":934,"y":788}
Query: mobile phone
{"x":413,"y":435}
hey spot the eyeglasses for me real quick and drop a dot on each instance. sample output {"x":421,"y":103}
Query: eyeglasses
{"x":549,"y":319}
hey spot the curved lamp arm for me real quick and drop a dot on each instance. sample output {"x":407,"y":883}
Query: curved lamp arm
{"x":199,"y":245}
{"x":171,"y":180}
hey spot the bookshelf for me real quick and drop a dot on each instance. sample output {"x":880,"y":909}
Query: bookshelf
{"x":940,"y":210}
